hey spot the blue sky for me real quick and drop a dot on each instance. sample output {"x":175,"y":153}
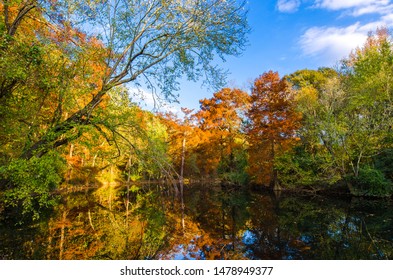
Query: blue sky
{"x":288,"y":35}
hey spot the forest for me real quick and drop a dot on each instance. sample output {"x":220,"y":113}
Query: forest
{"x":69,"y":122}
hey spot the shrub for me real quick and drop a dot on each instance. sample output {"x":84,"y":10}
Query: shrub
{"x":370,"y":182}
{"x":299,"y":168}
{"x":30,"y":184}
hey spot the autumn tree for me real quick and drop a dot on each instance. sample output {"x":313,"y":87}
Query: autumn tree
{"x":148,"y":42}
{"x":37,"y":90}
{"x":221,"y":118}
{"x":62,"y":59}
{"x":273,"y":123}
{"x":183,"y":137}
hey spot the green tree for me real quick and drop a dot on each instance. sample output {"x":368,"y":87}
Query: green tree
{"x":148,"y":42}
{"x":368,"y":82}
{"x":347,"y":117}
{"x":317,"y":160}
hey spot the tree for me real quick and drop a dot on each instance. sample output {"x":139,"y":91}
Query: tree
{"x":62,"y":60}
{"x":183,"y":137}
{"x":319,"y":99}
{"x":368,"y":82}
{"x":221,"y":118}
{"x":147,"y":42}
{"x":273,"y":123}
{"x":347,"y":118}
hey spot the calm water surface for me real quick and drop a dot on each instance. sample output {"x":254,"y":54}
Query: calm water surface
{"x":149,"y":222}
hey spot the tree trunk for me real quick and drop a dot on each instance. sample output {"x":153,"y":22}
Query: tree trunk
{"x":183,"y":156}
{"x":54,"y":136}
{"x":273,"y":174}
{"x":62,"y":235}
{"x":128,"y":189}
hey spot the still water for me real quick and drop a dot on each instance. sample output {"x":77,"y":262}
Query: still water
{"x":150,"y":222}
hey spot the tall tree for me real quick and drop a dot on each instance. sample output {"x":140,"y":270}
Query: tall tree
{"x":319,"y":100}
{"x":222,"y":119}
{"x":145,"y":42}
{"x":369,"y":86}
{"x":61,"y":60}
{"x":183,"y":137}
{"x":273,"y":124}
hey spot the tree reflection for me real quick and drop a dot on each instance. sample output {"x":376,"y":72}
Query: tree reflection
{"x":211,"y":222}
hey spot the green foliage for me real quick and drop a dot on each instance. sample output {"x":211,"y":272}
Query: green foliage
{"x":237,"y":172}
{"x":299,"y":168}
{"x":311,"y":78}
{"x":346,"y":118}
{"x":31,"y":183}
{"x":148,"y":209}
{"x":370,"y":182}
{"x":240,"y":177}
{"x":384,"y":162}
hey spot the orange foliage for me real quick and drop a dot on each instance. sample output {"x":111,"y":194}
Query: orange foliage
{"x":273,"y":125}
{"x":220,"y":118}
{"x":183,"y":137}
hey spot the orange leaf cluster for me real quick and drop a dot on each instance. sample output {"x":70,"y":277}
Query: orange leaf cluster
{"x":273,"y":125}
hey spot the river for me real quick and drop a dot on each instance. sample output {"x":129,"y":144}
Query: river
{"x":150,"y":222}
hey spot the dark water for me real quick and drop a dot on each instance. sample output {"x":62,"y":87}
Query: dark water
{"x":149,"y":222}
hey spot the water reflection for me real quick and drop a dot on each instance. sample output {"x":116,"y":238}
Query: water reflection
{"x":149,"y":222}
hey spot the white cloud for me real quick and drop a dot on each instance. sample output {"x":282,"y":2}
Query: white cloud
{"x":332,"y":43}
{"x":346,"y":4}
{"x":288,"y":6}
{"x":357,"y":7}
{"x":373,"y":9}
{"x":387,"y":19}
